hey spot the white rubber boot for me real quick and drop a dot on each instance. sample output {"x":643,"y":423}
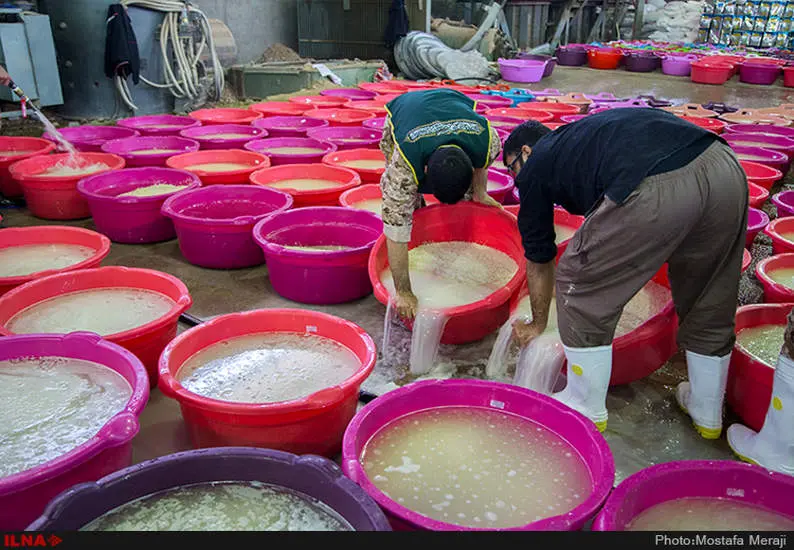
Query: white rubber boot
{"x":702,"y":397}
{"x":773,"y":446}
{"x":589,"y":370}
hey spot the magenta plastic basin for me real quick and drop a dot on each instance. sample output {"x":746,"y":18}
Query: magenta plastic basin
{"x":205,"y":135}
{"x":159,"y":125}
{"x":725,"y":479}
{"x":323,"y":277}
{"x":347,"y":137}
{"x":577,"y":430}
{"x":784,"y":201}
{"x":500,"y":185}
{"x":134,"y":220}
{"x":169,"y":145}
{"x":24,"y":495}
{"x":89,"y":139}
{"x":768,"y":157}
{"x":766,"y":129}
{"x":214,"y":224}
{"x":288,"y":126}
{"x":375,"y":123}
{"x":757,"y":220}
{"x":268,"y":147}
{"x":313,"y":476}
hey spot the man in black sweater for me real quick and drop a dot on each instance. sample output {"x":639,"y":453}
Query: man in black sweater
{"x":655,"y":189}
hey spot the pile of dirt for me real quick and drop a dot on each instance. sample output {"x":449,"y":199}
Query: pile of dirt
{"x":281,"y":54}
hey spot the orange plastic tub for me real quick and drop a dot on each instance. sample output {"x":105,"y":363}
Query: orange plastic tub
{"x":367,"y":175}
{"x":343,"y":179}
{"x":465,"y":221}
{"x":225,"y":116}
{"x":280,"y":108}
{"x":52,"y":234}
{"x":146,"y":341}
{"x":312,"y":425}
{"x":14,"y":149}
{"x":56,"y":197}
{"x":341,"y":117}
{"x":252,"y":161}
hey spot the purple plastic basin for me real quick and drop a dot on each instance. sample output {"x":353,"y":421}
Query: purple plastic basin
{"x":268,"y":147}
{"x":347,"y":137}
{"x":768,"y":157}
{"x":353,"y":94}
{"x":522,"y":70}
{"x":24,"y":495}
{"x":288,"y":126}
{"x":641,"y":62}
{"x":548,"y":92}
{"x":756,"y":221}
{"x":169,"y":145}
{"x":784,"y":201}
{"x":323,"y":277}
{"x":571,"y":56}
{"x":763,"y":129}
{"x":89,"y":139}
{"x":133,"y":220}
{"x":204,"y":135}
{"x":375,"y":123}
{"x":759,"y":73}
{"x":214,"y":224}
{"x":313,"y":476}
{"x":775,"y":142}
{"x":550,"y":61}
{"x":603,"y":97}
{"x":159,"y":125}
{"x":577,"y":430}
{"x":678,"y":65}
{"x":725,"y":479}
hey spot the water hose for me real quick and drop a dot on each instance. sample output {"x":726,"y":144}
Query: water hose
{"x":181,"y":76}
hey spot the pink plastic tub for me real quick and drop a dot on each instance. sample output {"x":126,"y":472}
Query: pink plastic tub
{"x":367,"y":175}
{"x":375,"y":123}
{"x":341,"y":117}
{"x":269,"y":147}
{"x":757,"y":220}
{"x":784,"y":201}
{"x":522,"y":70}
{"x":24,"y":495}
{"x":214,"y":224}
{"x":579,"y":432}
{"x":279,"y":108}
{"x":322,"y":277}
{"x":505,"y":122}
{"x":353,"y":197}
{"x":311,"y":425}
{"x":342,"y":178}
{"x":774,"y":292}
{"x":678,"y":65}
{"x":465,"y":221}
{"x":159,"y":125}
{"x":723,"y":479}
{"x":89,"y":139}
{"x":319,"y":101}
{"x":56,"y":197}
{"x":763,"y":129}
{"x":238,"y":176}
{"x":52,"y":234}
{"x":767,"y":157}
{"x":129,"y":149}
{"x":491,"y":101}
{"x":349,"y":94}
{"x":133,"y":220}
{"x":16,"y":149}
{"x":761,"y":175}
{"x":146,"y":341}
{"x":348,"y":138}
{"x":214,"y":136}
{"x":757,"y":194}
{"x":500,"y":185}
{"x":288,"y":126}
{"x":776,"y":230}
{"x":225,"y":116}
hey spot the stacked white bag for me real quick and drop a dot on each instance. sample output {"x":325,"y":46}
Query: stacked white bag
{"x":667,"y":21}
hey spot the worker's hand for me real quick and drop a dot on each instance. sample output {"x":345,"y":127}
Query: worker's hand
{"x":406,"y":304}
{"x":487,"y":200}
{"x":5,"y":79}
{"x":526,"y":332}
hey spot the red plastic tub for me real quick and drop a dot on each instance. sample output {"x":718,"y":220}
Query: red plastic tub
{"x":24,"y":495}
{"x":279,"y":108}
{"x":747,"y":259}
{"x":758,"y":195}
{"x":604,"y":59}
{"x":343,"y":179}
{"x":158,"y":125}
{"x":341,"y":117}
{"x":270,"y":148}
{"x":558,"y":110}
{"x":788,"y":77}
{"x":352,"y":198}
{"x":761,"y":175}
{"x":311,"y":425}
{"x":237,"y":176}
{"x":521,"y":114}
{"x":367,"y":175}
{"x":375,"y":107}
{"x":56,"y":197}
{"x":776,"y":230}
{"x":225,"y":116}
{"x":224,"y":136}
{"x":349,"y":93}
{"x":14,"y":149}
{"x":710,"y":72}
{"x":561,"y":217}
{"x":146,"y":341}
{"x":288,"y":126}
{"x":774,"y":292}
{"x":388,"y":86}
{"x":348,"y":138}
{"x":465,"y":221}
{"x":319,"y":101}
{"x":711,"y":124}
{"x":52,"y":234}
{"x":749,"y":389}
{"x":130,"y":149}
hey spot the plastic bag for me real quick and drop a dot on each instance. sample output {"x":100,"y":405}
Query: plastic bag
{"x":540,"y":363}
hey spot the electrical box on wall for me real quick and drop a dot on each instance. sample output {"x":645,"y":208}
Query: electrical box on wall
{"x":27,"y":51}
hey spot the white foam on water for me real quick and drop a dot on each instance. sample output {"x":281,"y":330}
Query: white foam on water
{"x":365,"y":164}
{"x":103,"y":311}
{"x":268,"y":368}
{"x":16,"y":261}
{"x":709,"y":514}
{"x":218,"y":167}
{"x":223,"y":506}
{"x":154,"y":152}
{"x":371,"y":205}
{"x":51,"y":405}
{"x":763,"y":342}
{"x":153,"y":190}
{"x":71,"y":168}
{"x":304,"y":184}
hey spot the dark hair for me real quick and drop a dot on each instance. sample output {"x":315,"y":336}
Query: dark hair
{"x":526,"y":133}
{"x":449,"y":173}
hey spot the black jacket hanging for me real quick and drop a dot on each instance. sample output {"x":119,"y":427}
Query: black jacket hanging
{"x":398,"y":25}
{"x":121,"y":47}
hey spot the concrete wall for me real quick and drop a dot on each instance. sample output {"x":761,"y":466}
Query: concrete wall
{"x":256,"y":24}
